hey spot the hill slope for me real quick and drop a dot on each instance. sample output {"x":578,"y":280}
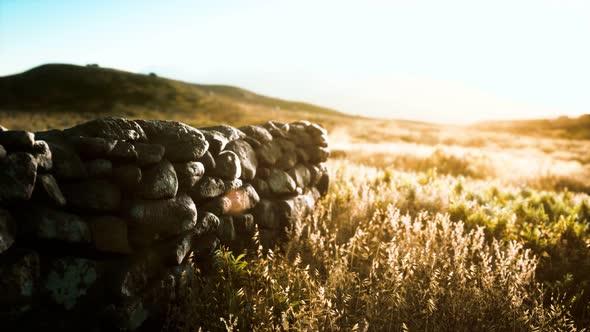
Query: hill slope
{"x":90,"y":91}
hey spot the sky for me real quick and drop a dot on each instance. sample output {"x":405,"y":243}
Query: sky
{"x":440,"y":61}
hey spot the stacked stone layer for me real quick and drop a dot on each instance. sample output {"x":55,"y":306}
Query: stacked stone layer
{"x":100,"y":222}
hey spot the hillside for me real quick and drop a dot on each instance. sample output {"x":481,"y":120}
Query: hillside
{"x":562,"y":127}
{"x":87,"y":92}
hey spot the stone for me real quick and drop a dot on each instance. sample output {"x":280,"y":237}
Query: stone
{"x":208,"y":187}
{"x":175,"y":250}
{"x":19,"y":282}
{"x":203,"y":246}
{"x":2,"y":152}
{"x":280,"y":182}
{"x":244,"y":226}
{"x":302,"y":156}
{"x":17,"y":140}
{"x":259,"y":133}
{"x":188,"y":174}
{"x":42,"y":155}
{"x":127,"y":279}
{"x":148,"y":154}
{"x":226,"y":231}
{"x":218,"y":206}
{"x":324,"y":182}
{"x":181,"y":142}
{"x":109,"y":128}
{"x":123,"y":151}
{"x":287,"y":161}
{"x":158,"y":181}
{"x":18,"y":176}
{"x":277,"y":128}
{"x":227,"y":165}
{"x":247,"y":157}
{"x":66,"y":163}
{"x":48,"y":188}
{"x":315,"y":173}
{"x":254,"y":143}
{"x":7,"y":230}
{"x":127,"y":175}
{"x":207,"y":222}
{"x":45,"y":223}
{"x":268,"y":238}
{"x":234,"y":184}
{"x":208,"y":162}
{"x":217,"y":141}
{"x":229,"y":132}
{"x":242,"y":200}
{"x":261,"y":187}
{"x":71,"y":281}
{"x":268,"y":153}
{"x":265,"y":215}
{"x":92,"y":147}
{"x":318,"y":154}
{"x":286,"y":145}
{"x":109,"y":234}
{"x":97,"y":168}
{"x":316,"y":130}
{"x":263,"y":172}
{"x":169,"y":217}
{"x":321,"y":140}
{"x":95,"y":195}
{"x":303,"y":138}
{"x":301,"y":175}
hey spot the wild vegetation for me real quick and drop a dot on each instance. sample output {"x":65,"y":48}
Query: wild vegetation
{"x":425,"y":227}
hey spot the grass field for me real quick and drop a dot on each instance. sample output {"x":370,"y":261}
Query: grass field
{"x":424,"y":228}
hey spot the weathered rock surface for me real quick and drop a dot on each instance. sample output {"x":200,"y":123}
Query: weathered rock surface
{"x":109,"y":128}
{"x":247,"y":157}
{"x":171,"y":216}
{"x":188,"y":174}
{"x":148,"y":154}
{"x":228,"y":166}
{"x":181,"y":142}
{"x":17,"y":178}
{"x":280,"y":182}
{"x":158,"y":181}
{"x":48,"y":188}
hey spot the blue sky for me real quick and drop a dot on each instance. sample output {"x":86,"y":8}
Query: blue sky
{"x":445,"y":61}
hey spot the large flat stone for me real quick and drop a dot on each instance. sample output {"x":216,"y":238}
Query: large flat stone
{"x":110,"y":128}
{"x":181,"y":142}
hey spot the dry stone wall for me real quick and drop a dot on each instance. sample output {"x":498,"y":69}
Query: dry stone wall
{"x":99,"y":222}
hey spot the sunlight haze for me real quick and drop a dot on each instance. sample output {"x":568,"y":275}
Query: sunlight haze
{"x":450,"y":62}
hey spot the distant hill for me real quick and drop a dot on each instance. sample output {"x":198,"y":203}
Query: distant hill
{"x":83,"y":92}
{"x":562,"y":127}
